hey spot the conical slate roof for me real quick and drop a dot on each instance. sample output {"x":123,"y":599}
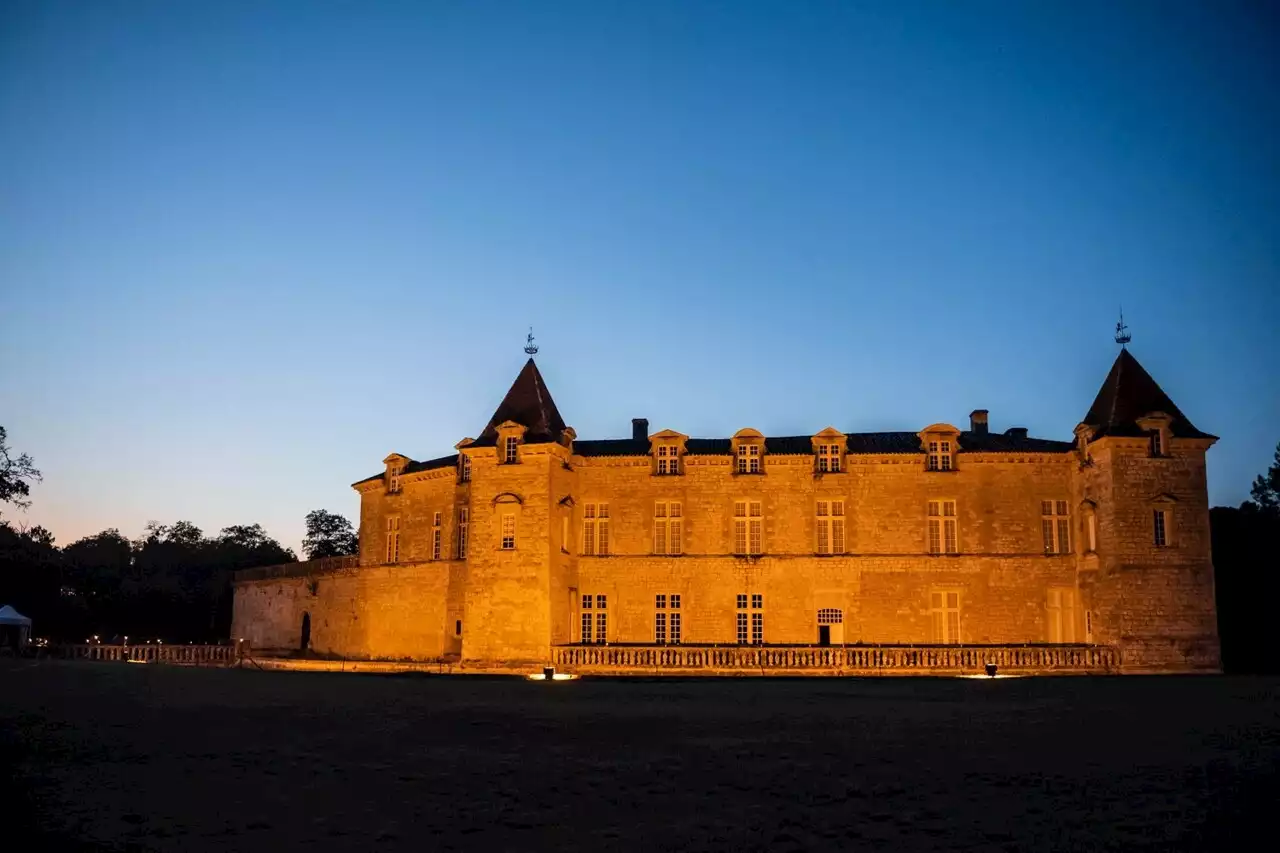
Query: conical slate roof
{"x":528,"y":403}
{"x":1129,"y":393}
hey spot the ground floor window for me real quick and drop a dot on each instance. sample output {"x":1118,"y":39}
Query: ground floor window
{"x":752,"y":616}
{"x":1062,"y":615}
{"x":595,"y":618}
{"x":666,"y":618}
{"x":944,"y":607}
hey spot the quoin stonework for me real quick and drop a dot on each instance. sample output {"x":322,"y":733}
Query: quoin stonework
{"x":941,"y":547}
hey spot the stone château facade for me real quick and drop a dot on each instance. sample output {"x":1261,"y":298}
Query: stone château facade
{"x":529,"y":541}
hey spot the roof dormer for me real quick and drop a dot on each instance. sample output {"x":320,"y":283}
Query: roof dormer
{"x":828,"y":450}
{"x":748,"y":451}
{"x":395,"y":463}
{"x":666,"y":449}
{"x":939,"y":443}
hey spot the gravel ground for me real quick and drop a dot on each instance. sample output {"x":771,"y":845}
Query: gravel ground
{"x":120,"y":757}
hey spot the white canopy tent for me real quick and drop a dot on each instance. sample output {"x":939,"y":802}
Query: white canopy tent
{"x":15,"y":629}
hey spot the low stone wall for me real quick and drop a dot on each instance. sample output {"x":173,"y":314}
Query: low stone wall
{"x":218,"y":655}
{"x":835,"y":660}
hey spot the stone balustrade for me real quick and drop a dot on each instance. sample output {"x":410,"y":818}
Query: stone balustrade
{"x":210,"y":655}
{"x":847,"y":660}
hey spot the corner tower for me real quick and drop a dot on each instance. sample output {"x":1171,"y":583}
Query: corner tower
{"x":516,"y":596}
{"x":1146,"y":567}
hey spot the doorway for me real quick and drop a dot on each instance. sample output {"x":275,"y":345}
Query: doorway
{"x":830,"y":626}
{"x":306,"y":632}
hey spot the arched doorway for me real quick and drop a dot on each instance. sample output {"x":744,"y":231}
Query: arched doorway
{"x":306,"y":632}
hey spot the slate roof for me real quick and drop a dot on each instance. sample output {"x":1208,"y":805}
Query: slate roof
{"x":858,"y":442}
{"x":528,"y":402}
{"x":428,"y":465}
{"x":1128,"y":393}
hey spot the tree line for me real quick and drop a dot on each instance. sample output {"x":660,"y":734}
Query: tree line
{"x":172,"y":583}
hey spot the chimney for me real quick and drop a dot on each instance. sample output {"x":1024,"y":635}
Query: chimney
{"x":640,"y":429}
{"x":1016,"y":432}
{"x":978,"y":421}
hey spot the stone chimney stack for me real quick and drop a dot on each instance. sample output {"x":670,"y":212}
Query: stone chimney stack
{"x":640,"y":429}
{"x":978,"y":421}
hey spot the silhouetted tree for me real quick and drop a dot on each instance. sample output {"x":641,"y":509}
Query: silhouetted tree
{"x":1266,"y":488}
{"x":328,"y":535}
{"x":17,"y":473}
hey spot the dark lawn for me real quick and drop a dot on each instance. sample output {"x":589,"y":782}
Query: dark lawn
{"x":143,"y":757}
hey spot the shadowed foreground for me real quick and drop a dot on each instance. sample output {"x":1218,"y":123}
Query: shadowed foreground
{"x":102,"y":756}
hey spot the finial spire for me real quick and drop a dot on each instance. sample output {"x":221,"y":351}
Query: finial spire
{"x":529,"y":346}
{"x":1122,"y":331}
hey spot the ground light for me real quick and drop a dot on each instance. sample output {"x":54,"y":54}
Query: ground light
{"x":549,"y":674}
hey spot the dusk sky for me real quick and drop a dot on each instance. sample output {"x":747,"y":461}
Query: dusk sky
{"x":248,"y":249}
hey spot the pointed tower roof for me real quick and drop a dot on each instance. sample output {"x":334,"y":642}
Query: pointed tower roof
{"x":1128,"y":394}
{"x":528,"y":403}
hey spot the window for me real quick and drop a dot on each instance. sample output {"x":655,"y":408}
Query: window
{"x":828,"y":458}
{"x":662,"y":619}
{"x":457,"y":628}
{"x":668,"y":459}
{"x":464,"y":527}
{"x":660,"y":627}
{"x":510,"y":444}
{"x":600,"y":621}
{"x":1091,"y":529}
{"x":508,"y":532}
{"x":1160,"y":520}
{"x":748,"y":459}
{"x":464,"y":468}
{"x":940,"y":456}
{"x":393,"y":539}
{"x":756,"y":614}
{"x":436,"y":533}
{"x":667,"y":524}
{"x":393,"y":480}
{"x":564,"y":533}
{"x":1055,"y":527}
{"x":595,"y":529}
{"x":944,"y":606}
{"x":748,"y":526}
{"x":830,"y":616}
{"x":1062,"y":615}
{"x":830,"y":527}
{"x":942,"y":528}
{"x":1157,"y":442}
{"x":1088,"y":626}
{"x":675,"y":618}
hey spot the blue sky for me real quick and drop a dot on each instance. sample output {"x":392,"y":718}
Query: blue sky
{"x":247,"y":249}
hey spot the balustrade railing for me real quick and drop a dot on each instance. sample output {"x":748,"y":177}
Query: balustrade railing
{"x":205,"y":655}
{"x":852,"y":659}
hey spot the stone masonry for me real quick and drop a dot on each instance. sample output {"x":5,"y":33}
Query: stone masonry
{"x":1093,"y":569}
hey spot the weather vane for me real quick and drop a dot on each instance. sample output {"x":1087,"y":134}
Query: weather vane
{"x":529,"y":346}
{"x":1122,"y":331}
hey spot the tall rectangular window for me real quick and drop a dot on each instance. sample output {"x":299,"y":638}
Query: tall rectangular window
{"x":1062,"y":615}
{"x":667,"y":527}
{"x":464,"y":468}
{"x":675,"y":618}
{"x":1055,"y":527}
{"x":393,"y":539}
{"x":660,"y":627}
{"x":1157,"y":442}
{"x":828,"y":458}
{"x":748,"y":528}
{"x":588,"y":618}
{"x":939,"y":456}
{"x":942,"y":528}
{"x":436,"y":534}
{"x":602,"y":620}
{"x":1160,"y":522}
{"x":508,"y":532}
{"x":830,"y":524}
{"x":668,"y":459}
{"x":750,"y":620}
{"x":748,"y":459}
{"x":944,"y":607}
{"x":393,"y":479}
{"x":595,"y":529}
{"x":464,"y":528}
{"x":509,"y":456}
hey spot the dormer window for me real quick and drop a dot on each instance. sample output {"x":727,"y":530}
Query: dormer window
{"x":464,"y":468}
{"x":395,"y":468}
{"x":393,"y":479}
{"x":828,"y":451}
{"x":748,"y":459}
{"x":828,"y":458}
{"x":1157,"y":426}
{"x":666,"y":448}
{"x":510,"y":454}
{"x":940,"y":456}
{"x":1157,"y":442}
